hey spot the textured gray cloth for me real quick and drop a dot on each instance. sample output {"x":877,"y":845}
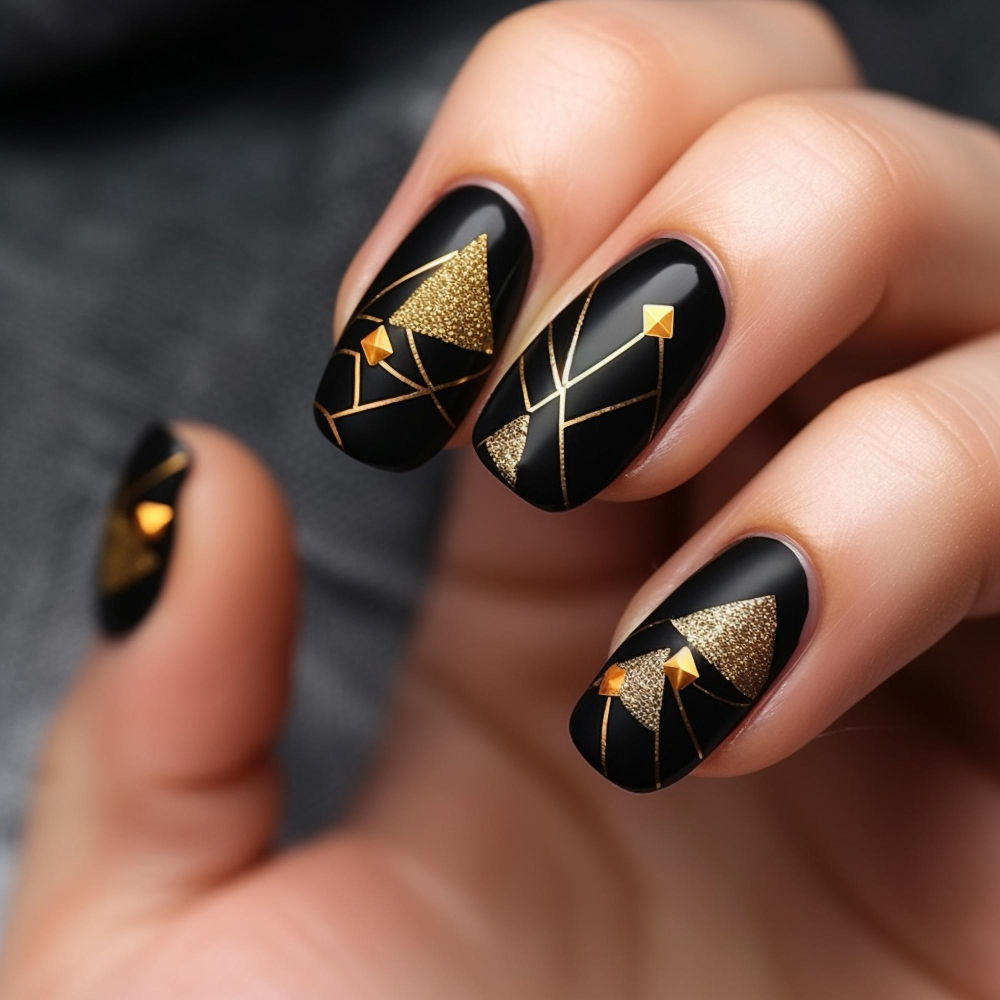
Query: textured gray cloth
{"x":181,"y":187}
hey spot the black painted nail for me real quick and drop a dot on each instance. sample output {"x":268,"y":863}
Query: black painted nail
{"x":686,"y":677}
{"x":591,"y":390}
{"x":140,"y":530}
{"x":414,"y":354}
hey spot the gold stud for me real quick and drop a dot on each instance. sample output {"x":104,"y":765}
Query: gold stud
{"x":152,"y":518}
{"x":612,"y":681}
{"x":681,"y":669}
{"x":658,"y":321}
{"x":376,"y":345}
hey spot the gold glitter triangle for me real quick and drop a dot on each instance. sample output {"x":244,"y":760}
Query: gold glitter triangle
{"x":506,"y":446}
{"x":376,"y":345}
{"x":453,"y":304}
{"x":658,"y":321}
{"x":641,"y":691}
{"x":737,"y":639}
{"x":127,"y":557}
{"x":681,"y":669}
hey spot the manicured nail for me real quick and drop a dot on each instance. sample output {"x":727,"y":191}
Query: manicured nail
{"x":686,"y":677}
{"x":140,"y":530}
{"x":426,"y":333}
{"x":591,"y":390}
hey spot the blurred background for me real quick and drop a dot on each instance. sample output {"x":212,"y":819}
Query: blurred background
{"x":182,"y":183}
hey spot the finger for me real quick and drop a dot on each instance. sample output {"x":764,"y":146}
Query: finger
{"x":157,"y":776}
{"x":553,"y":130}
{"x":826,"y":212}
{"x":889,"y":502}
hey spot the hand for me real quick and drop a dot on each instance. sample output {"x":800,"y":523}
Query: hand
{"x":849,"y":414}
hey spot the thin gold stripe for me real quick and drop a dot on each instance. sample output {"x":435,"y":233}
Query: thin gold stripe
{"x":362,"y":407}
{"x":427,"y":381}
{"x":402,"y":378}
{"x":368,"y":316}
{"x":524,"y":385}
{"x":562,"y":448}
{"x":659,"y":389}
{"x":687,"y":723}
{"x":604,"y":737}
{"x":406,"y":277}
{"x":167,"y":468}
{"x":552,"y":359}
{"x":600,"y":364}
{"x":329,"y":419}
{"x":718,"y":697}
{"x":608,"y":409}
{"x":656,"y":760}
{"x":576,"y":331}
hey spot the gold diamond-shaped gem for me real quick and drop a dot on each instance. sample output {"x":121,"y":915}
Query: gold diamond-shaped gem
{"x":376,"y":345}
{"x":681,"y":669}
{"x":153,"y":518}
{"x":611,"y":681}
{"x":658,"y":321}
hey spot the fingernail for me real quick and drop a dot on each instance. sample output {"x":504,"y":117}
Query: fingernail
{"x":426,"y":333}
{"x":593,"y":388}
{"x":685,"y":678}
{"x":140,"y":530}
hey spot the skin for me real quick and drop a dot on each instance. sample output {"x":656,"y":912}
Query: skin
{"x":851,"y":850}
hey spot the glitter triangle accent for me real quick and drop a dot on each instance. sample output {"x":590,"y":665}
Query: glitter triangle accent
{"x":506,"y":446}
{"x":127,"y":557}
{"x":453,"y":304}
{"x":641,"y":692}
{"x":376,"y":345}
{"x":737,"y":639}
{"x":658,"y":321}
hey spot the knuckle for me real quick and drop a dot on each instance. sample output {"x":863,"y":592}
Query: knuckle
{"x":585,"y":41}
{"x":842,"y":155}
{"x":934,"y":430}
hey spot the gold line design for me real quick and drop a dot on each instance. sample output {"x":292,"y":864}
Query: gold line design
{"x":604,"y":736}
{"x":426,"y":378}
{"x":749,"y":626}
{"x":177,"y":462}
{"x":429,"y":388}
{"x":564,"y":383}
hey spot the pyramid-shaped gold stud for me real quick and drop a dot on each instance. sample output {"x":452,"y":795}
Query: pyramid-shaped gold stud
{"x":153,"y":518}
{"x":658,"y":321}
{"x":376,"y":345}
{"x":453,"y":304}
{"x":681,"y":669}
{"x":611,"y":681}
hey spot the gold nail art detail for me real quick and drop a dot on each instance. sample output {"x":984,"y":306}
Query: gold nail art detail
{"x":376,"y":345}
{"x":127,"y":556}
{"x":658,"y":321}
{"x":453,"y":304}
{"x":153,"y":519}
{"x":737,"y":639}
{"x":680,"y":669}
{"x":506,"y":446}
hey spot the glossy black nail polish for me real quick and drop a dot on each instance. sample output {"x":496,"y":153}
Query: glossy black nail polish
{"x":686,"y":677}
{"x":414,"y":354}
{"x":591,"y":390}
{"x":140,"y":530}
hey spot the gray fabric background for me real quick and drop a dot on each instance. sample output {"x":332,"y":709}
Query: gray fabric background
{"x":182,"y":182}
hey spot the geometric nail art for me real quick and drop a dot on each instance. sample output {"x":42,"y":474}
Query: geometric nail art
{"x":603,"y":377}
{"x":685,"y":677}
{"x":411,"y":359}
